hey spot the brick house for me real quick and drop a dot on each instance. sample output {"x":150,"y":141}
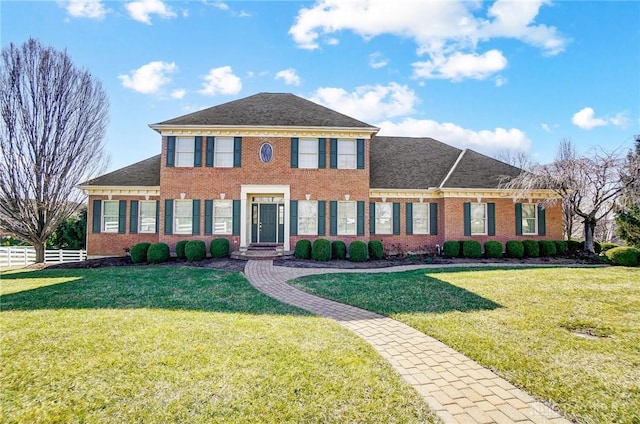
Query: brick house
{"x":271,"y":169}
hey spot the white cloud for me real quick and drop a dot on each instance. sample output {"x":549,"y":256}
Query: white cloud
{"x":500,"y":81}
{"x":377,"y":60}
{"x":369,"y":103}
{"x":289,"y":76}
{"x":459,"y":66}
{"x":221,"y":81}
{"x":93,"y":9}
{"x":485,"y":141}
{"x":141,"y":10}
{"x":179,"y":93}
{"x":586,"y":119}
{"x":149,"y":78}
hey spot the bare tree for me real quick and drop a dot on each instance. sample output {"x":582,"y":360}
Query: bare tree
{"x":516,"y":158}
{"x":589,"y":186}
{"x":52,"y":131}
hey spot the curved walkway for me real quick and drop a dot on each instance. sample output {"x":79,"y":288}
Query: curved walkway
{"x":457,"y":388}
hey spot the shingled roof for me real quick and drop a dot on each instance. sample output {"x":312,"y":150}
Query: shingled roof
{"x":145,"y":173}
{"x":475,"y":170}
{"x":268,"y":109}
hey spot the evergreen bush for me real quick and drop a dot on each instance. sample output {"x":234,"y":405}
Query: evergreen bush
{"x":338,"y":250}
{"x":531,"y":248}
{"x":158,"y":253}
{"x":471,"y":249}
{"x":302,"y":249}
{"x":493,"y":249}
{"x":321,"y":250}
{"x":574,"y":246}
{"x":547,"y":248}
{"x":604,"y":246}
{"x":219,"y":247}
{"x":195,"y":250}
{"x":623,"y":256}
{"x":376,"y":250}
{"x":451,"y":249}
{"x":514,"y":249}
{"x":139,"y":252}
{"x":562,"y":247}
{"x":180,"y":249}
{"x":358,"y":251}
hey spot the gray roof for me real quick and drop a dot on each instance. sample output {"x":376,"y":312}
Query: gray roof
{"x":269,"y":109}
{"x":145,"y":173}
{"x":475,"y":170}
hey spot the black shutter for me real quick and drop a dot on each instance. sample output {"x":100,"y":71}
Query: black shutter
{"x":360,"y":218}
{"x":396,"y":218}
{"x":168,"y":216}
{"x":542,"y":224}
{"x":197,"y":152}
{"x":322,"y":208}
{"x":322,"y":153}
{"x":372,"y":218}
{"x":195,"y":217}
{"x":293,"y":218}
{"x":237,"y":152}
{"x":209,"y":152}
{"x":467,"y":218}
{"x":518,"y":219}
{"x":171,"y":150}
{"x":208,"y":217}
{"x":236,"y":218}
{"x":133,"y":217}
{"x":122,"y":216}
{"x":157,"y":216}
{"x":360,"y":150}
{"x":333,"y":153}
{"x":333,"y":218}
{"x":97,"y":216}
{"x":294,"y":152}
{"x":491,"y":216}
{"x":433,"y":219}
{"x":409,"y":218}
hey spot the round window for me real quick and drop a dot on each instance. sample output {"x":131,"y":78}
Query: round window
{"x":266,"y":152}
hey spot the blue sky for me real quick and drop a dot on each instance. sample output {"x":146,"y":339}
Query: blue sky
{"x":488,"y":76}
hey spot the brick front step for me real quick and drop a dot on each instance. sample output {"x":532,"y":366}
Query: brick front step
{"x":261,"y":253}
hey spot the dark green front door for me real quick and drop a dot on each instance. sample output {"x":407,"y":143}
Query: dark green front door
{"x":268,"y":223}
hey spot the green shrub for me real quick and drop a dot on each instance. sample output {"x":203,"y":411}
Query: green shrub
{"x":574,"y":246}
{"x":562,"y":247}
{"x":547,"y":248}
{"x":139,"y":252}
{"x":180,"y":249}
{"x":623,"y":256}
{"x":195,"y":250}
{"x":321,"y":250}
{"x":597,"y":248}
{"x":604,"y":246}
{"x":302,"y":249}
{"x":471,"y":249}
{"x":338,"y":250}
{"x":451,"y":249}
{"x":157,"y":253}
{"x":358,"y":251}
{"x":376,"y":250}
{"x":219,"y":248}
{"x":514,"y":249}
{"x":493,"y":249}
{"x":531,"y":248}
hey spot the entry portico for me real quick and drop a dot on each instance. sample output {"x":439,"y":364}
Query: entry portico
{"x":264,"y":212}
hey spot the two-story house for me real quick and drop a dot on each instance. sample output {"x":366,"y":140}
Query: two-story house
{"x":271,"y":169}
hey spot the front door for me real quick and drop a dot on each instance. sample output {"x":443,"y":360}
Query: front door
{"x":268,"y":223}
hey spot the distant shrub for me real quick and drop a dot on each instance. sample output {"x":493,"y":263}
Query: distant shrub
{"x":604,"y":246}
{"x":562,"y":247}
{"x":451,"y":249}
{"x":219,"y":247}
{"x":531,"y":248}
{"x":180,"y":249}
{"x":514,"y":249}
{"x":547,"y":248}
{"x":302,"y":249}
{"x":493,"y":249}
{"x":139,"y":252}
{"x":358,"y":251}
{"x":158,"y":253}
{"x":376,"y":249}
{"x":195,"y":250}
{"x":623,"y":256}
{"x":338,"y":249}
{"x":321,"y":250}
{"x":471,"y":249}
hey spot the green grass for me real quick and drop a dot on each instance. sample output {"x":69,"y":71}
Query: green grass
{"x":166,"y":344}
{"x":568,"y":336}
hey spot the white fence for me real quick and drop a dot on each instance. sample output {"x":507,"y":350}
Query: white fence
{"x":26,"y":255}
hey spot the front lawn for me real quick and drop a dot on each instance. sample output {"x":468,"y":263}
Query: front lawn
{"x":566,"y":335}
{"x":171,"y":344}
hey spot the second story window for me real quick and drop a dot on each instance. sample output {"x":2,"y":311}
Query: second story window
{"x":223,"y":155}
{"x":346,"y":154}
{"x":185,"y":147}
{"x":308,"y":153}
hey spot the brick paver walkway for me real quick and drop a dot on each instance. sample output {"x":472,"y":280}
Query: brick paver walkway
{"x":457,"y":388}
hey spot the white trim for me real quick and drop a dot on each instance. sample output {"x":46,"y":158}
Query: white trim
{"x":474,"y":193}
{"x":121,"y":190}
{"x":453,"y":168}
{"x":265,"y":131}
{"x":245,"y":215}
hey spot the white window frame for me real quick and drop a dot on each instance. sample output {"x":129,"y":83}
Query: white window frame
{"x":307,"y":217}
{"x":148,"y":218}
{"x":110,"y":226}
{"x":223,"y":152}
{"x":476,"y":206}
{"x":534,"y":218}
{"x":345,"y":154}
{"x":308,"y":153}
{"x":185,"y":150}
{"x":384,"y":218}
{"x":416,"y":217}
{"x":222,"y":224}
{"x":182,"y":228}
{"x":346,"y":221}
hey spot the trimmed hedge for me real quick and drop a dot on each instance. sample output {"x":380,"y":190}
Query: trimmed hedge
{"x":574,"y":246}
{"x":358,"y":251}
{"x":493,"y":249}
{"x":158,"y":253}
{"x":471,"y":249}
{"x":514,"y":249}
{"x":531,"y":248}
{"x":139,"y":252}
{"x":321,"y":250}
{"x":451,"y":249}
{"x":302,"y":249}
{"x":195,"y":250}
{"x":338,"y":250}
{"x":604,"y":246}
{"x":562,"y":247}
{"x":547,"y":248}
{"x":623,"y":256}
{"x":376,"y":249}
{"x":180,"y":249}
{"x":219,"y":248}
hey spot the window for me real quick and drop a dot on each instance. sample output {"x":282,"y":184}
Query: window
{"x":529,"y":218}
{"x":384,"y":217}
{"x":222,"y":216}
{"x":347,"y":218}
{"x":308,"y":153}
{"x":147,"y":216}
{"x":185,"y":147}
{"x":307,"y":217}
{"x":420,"y":218}
{"x":478,"y":218}
{"x":347,"y":154}
{"x":110,"y":216}
{"x":223,"y":155}
{"x":182,"y":217}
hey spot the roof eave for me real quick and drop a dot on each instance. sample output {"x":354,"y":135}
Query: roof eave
{"x":238,"y":129}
